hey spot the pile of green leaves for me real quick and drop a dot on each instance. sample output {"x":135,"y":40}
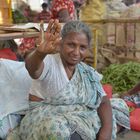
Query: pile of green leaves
{"x":122,"y":76}
{"x":18,"y":17}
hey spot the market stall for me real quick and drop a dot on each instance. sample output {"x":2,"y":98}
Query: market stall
{"x":7,"y":32}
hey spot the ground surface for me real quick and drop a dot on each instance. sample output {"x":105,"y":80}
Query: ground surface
{"x":131,"y":135}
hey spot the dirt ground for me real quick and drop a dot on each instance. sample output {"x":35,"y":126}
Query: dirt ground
{"x":130,"y":135}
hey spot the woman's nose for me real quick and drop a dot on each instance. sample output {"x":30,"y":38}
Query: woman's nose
{"x":77,"y":51}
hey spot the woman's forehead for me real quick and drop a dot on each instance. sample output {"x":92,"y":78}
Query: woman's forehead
{"x":74,"y":34}
{"x":76,"y":37}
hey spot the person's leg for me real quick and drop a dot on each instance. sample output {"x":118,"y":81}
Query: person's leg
{"x":75,"y":136}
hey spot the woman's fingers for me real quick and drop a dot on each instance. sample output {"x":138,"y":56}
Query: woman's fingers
{"x":51,"y":22}
{"x":54,"y":31}
{"x":53,"y":26}
{"x":51,"y":38}
{"x":58,"y":29}
{"x":42,"y":32}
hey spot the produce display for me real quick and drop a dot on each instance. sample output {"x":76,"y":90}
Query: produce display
{"x":122,"y":76}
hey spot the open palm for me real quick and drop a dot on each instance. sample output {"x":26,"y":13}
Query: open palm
{"x":49,"y":38}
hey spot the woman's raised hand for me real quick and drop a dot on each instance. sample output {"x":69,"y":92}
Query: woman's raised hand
{"x":50,"y":38}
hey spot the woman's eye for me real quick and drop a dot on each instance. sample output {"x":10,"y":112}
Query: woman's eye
{"x":83,"y":48}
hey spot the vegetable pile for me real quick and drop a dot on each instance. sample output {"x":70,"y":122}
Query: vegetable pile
{"x":122,"y":76}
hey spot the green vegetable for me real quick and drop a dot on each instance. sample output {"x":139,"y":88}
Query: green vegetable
{"x":122,"y":76}
{"x":18,"y":17}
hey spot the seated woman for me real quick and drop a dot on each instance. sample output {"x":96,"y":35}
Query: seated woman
{"x":67,"y":98}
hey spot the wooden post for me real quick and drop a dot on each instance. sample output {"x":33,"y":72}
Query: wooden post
{"x":95,"y":48}
{"x":5,"y":12}
{"x":10,"y":11}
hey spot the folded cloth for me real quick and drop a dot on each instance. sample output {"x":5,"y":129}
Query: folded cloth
{"x":14,"y":86}
{"x":134,"y":99}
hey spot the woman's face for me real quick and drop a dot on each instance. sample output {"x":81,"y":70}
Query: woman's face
{"x":73,"y":48}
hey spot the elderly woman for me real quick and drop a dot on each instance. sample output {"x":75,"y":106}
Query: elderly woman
{"x":68,"y":101}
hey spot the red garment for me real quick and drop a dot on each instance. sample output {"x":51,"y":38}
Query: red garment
{"x":108,"y":90}
{"x":7,"y":53}
{"x":44,"y":15}
{"x":58,"y":5}
{"x":134,"y":116}
{"x":135,"y":119}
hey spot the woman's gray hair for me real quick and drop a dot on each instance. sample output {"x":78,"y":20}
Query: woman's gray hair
{"x":76,"y":26}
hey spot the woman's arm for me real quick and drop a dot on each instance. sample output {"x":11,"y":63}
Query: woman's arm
{"x":105,"y":114}
{"x":34,"y":61}
{"x":134,"y":90}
